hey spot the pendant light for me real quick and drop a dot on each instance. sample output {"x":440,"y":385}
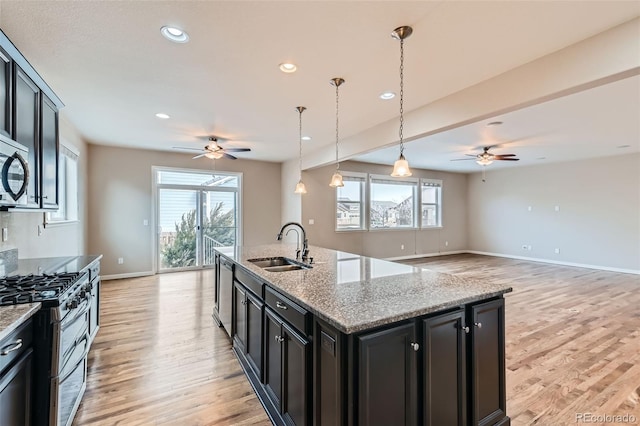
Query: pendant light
{"x":300,"y":188}
{"x":336,"y":179}
{"x":401,"y":166}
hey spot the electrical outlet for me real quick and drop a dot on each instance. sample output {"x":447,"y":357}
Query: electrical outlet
{"x":120,"y":260}
{"x":401,"y":246}
{"x":557,"y":208}
{"x":5,"y":234}
{"x":557,"y":251}
{"x":311,"y":221}
{"x":446,"y":243}
{"x":145,"y":222}
{"x":529,"y":208}
{"x":529,"y":247}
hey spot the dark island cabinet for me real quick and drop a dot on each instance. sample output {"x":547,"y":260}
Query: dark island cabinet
{"x":287,"y":370}
{"x":487,"y":376}
{"x":248,"y":327}
{"x":6,"y":70}
{"x":387,"y":384}
{"x":26,"y":127}
{"x":49,"y":153}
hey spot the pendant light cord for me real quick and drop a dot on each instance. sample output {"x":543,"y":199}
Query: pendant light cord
{"x":401,"y":95}
{"x":300,"y":141}
{"x":337,"y":162}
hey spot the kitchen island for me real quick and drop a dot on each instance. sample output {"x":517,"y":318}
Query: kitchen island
{"x":348,"y":339}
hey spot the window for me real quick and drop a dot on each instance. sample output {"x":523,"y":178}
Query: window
{"x":431,"y":203}
{"x":350,"y":203}
{"x":392,"y":202}
{"x":67,"y":187}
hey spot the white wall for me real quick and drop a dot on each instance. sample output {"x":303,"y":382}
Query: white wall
{"x":59,"y":240}
{"x":319,"y":204}
{"x":120,"y":199}
{"x":598,"y":222}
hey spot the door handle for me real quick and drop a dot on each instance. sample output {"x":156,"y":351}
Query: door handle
{"x":478,"y":324}
{"x":415,"y":346}
{"x":281,"y":305}
{"x":7,"y":350}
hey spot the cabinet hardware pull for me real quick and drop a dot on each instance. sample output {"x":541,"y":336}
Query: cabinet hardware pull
{"x":17,"y":345}
{"x":281,"y":305}
{"x":478,"y":324}
{"x":466,"y":329}
{"x":415,"y":346}
{"x":279,"y":339}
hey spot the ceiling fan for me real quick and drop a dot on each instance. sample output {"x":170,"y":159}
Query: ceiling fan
{"x":486,"y":158}
{"x":214,"y":151}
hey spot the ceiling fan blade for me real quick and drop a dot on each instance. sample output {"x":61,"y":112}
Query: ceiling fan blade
{"x":504,"y":155}
{"x":471,"y":155}
{"x":464,"y":159}
{"x":507,"y":159}
{"x":229,"y":156}
{"x":237,"y":149}
{"x":187,"y":148}
{"x":198,"y":156}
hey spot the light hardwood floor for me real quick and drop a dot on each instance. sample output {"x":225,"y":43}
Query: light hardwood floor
{"x":573,"y":346}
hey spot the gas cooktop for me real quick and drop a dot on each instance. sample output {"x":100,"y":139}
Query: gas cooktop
{"x":35,"y":288}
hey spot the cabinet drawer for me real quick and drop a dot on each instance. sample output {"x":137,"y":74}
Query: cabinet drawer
{"x":94,"y":271}
{"x":20,"y":339}
{"x":249,"y":282}
{"x":290,"y":311}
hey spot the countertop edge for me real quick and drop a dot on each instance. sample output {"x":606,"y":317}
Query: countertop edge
{"x":13,"y":316}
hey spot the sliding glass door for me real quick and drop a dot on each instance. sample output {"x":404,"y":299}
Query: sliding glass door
{"x":196,"y":212}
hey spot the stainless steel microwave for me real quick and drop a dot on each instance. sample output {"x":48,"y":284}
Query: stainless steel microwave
{"x":14,"y":173}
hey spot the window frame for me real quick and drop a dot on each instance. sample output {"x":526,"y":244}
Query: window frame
{"x":438,"y":183}
{"x":357,"y":177}
{"x":414,"y":182}
{"x":71,"y":205}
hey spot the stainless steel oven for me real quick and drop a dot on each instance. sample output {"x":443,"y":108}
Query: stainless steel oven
{"x":14,"y":173}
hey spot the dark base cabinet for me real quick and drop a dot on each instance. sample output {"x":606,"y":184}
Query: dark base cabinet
{"x":16,"y":377}
{"x":440,"y":369}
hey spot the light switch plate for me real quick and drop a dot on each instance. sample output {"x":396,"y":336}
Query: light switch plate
{"x":311,"y":221}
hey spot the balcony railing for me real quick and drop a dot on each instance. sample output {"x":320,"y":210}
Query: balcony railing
{"x":208,"y":246}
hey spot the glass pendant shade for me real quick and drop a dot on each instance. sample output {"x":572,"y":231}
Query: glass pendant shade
{"x":336,"y":180}
{"x":484,"y":161}
{"x":300,"y":188}
{"x":214,"y":155}
{"x":401,"y":168}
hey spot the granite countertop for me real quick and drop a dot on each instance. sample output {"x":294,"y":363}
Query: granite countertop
{"x":355,"y":293}
{"x":50,"y":265}
{"x":11,"y":317}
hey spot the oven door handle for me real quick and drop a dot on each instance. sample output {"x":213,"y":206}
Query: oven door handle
{"x":84,"y":338}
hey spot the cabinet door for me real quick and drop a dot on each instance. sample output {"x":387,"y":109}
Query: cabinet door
{"x":49,"y":154}
{"x":387,"y":377}
{"x":239,"y":316}
{"x":26,"y":112}
{"x":296,"y":369}
{"x":5,"y":94}
{"x":15,"y":393}
{"x":253,"y":341}
{"x":487,"y":366}
{"x":273,"y":356}
{"x":444,"y":371}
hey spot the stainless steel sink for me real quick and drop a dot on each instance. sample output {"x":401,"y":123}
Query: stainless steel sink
{"x":278,"y":264}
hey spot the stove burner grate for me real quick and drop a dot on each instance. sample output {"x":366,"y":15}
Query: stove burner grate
{"x":35,"y":288}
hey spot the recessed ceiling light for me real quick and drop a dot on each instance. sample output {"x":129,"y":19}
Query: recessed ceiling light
{"x":623,"y":146}
{"x":174,"y":34}
{"x":306,"y":138}
{"x":494,"y":123}
{"x":162,"y":115}
{"x":387,"y":95}
{"x":288,"y":67}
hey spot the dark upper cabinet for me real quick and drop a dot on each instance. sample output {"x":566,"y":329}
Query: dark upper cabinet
{"x":387,"y":377}
{"x":488,"y":363}
{"x":49,"y":153}
{"x":26,"y":126}
{"x":6,"y":70}
{"x":445,"y":373}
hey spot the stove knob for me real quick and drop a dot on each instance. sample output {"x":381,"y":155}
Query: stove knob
{"x":73,"y":304}
{"x":82,"y":294}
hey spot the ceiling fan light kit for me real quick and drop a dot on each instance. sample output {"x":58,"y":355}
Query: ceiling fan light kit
{"x":401,"y":166}
{"x":336,"y":179}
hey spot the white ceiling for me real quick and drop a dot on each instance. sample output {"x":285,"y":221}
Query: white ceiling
{"x":112,"y":68}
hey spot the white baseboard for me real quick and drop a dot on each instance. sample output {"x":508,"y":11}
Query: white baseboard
{"x":128,"y":275}
{"x":557,"y":262}
{"x":417,"y":256}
